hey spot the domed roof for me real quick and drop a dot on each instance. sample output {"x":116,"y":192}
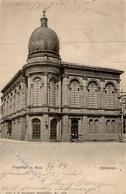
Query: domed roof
{"x":43,"y":41}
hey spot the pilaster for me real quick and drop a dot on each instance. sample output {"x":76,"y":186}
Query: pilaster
{"x":65,"y":90}
{"x":45,"y":76}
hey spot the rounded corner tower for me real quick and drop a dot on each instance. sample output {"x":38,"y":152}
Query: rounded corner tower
{"x":43,"y":42}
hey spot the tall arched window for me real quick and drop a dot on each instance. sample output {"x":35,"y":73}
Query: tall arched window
{"x":109,"y":96}
{"x":108,"y":126}
{"x":113,"y":126}
{"x":91,"y":126}
{"x":96,"y":125}
{"x":10,"y":108}
{"x":92,"y":95}
{"x":37,"y":92}
{"x":74,"y":93}
{"x":52,"y":92}
{"x":14,"y":103}
{"x":36,"y":128}
{"x":7,"y":107}
{"x":9,"y":128}
{"x":2,"y":109}
{"x":18,"y":101}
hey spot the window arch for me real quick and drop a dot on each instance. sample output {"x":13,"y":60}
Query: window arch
{"x":36,"y":128}
{"x":37,"y":92}
{"x":109,"y":96}
{"x":91,"y":125}
{"x":92,"y":95}
{"x":74,"y":93}
{"x":52,"y":92}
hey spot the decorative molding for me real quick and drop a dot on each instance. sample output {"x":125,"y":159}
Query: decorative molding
{"x":110,"y":82}
{"x":93,"y":80}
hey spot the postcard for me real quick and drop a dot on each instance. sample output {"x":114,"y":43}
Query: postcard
{"x":63,"y":97}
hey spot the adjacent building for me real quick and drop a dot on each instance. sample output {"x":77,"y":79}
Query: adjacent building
{"x":52,"y":100}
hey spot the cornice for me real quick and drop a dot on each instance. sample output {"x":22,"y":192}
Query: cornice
{"x":10,"y":83}
{"x":90,"y":68}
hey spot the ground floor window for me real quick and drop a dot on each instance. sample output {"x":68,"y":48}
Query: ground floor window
{"x":93,"y":126}
{"x":9,"y":128}
{"x":36,"y":128}
{"x":110,"y":126}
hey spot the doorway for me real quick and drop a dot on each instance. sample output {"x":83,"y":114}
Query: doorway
{"x":53,"y":129}
{"x":36,"y":128}
{"x":74,"y":129}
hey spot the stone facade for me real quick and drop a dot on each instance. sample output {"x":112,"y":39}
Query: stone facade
{"x":51,"y":100}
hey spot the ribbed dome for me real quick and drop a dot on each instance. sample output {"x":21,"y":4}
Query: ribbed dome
{"x":43,"y":42}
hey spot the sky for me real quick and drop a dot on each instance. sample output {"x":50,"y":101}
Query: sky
{"x":91,"y":32}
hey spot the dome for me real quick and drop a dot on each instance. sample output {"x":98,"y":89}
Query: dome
{"x":43,"y":42}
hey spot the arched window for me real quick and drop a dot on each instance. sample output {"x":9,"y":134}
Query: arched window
{"x":92,"y":95}
{"x":96,"y":125}
{"x":20,"y":97}
{"x":2,"y":109}
{"x":9,"y":128}
{"x":7,"y":107}
{"x":36,"y":128}
{"x":74,"y":93}
{"x":108,"y":126}
{"x":52,"y":92}
{"x":14,"y":103}
{"x":37,"y":92}
{"x":10,"y":107}
{"x":18,"y":101}
{"x":113,"y":126}
{"x":91,"y":126}
{"x":109,"y":96}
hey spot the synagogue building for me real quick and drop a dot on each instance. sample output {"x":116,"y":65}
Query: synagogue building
{"x":52,"y":100}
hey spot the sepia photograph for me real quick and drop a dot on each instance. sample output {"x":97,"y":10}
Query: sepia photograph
{"x":62,"y":97}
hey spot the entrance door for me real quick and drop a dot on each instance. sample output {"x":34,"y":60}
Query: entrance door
{"x":36,"y":129}
{"x":53,"y":129}
{"x":74,"y":129}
